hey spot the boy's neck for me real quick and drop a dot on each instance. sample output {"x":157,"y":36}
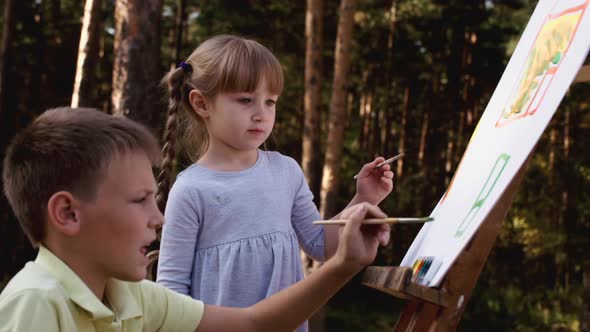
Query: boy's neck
{"x":223,"y":160}
{"x":82,"y":267}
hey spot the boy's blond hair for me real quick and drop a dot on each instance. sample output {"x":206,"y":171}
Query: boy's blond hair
{"x":66,"y":149}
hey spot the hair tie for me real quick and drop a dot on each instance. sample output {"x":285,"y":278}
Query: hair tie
{"x":186,"y":67}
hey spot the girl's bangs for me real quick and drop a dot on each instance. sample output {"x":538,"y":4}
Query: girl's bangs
{"x":244,"y":71}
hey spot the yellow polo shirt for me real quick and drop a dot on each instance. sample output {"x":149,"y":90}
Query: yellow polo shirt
{"x":47,"y":296}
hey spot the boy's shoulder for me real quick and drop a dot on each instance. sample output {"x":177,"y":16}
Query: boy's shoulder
{"x":31,"y":290}
{"x":32,"y":278}
{"x":35,"y":301}
{"x":46,"y":295}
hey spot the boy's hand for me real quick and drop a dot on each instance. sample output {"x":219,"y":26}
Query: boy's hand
{"x":374,"y":184}
{"x":358,"y":243}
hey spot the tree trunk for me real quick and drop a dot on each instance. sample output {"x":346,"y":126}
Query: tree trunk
{"x":449,"y":154}
{"x":390,"y":39}
{"x":85,"y":80}
{"x":402,"y":133}
{"x":585,"y":319}
{"x":7,"y":33}
{"x":180,"y":20}
{"x":313,"y":81}
{"x":136,"y":68}
{"x":378,"y":121}
{"x":337,"y":121}
{"x":462,"y":131}
{"x":552,"y":145}
{"x":311,"y":127}
{"x":389,"y":131}
{"x":423,"y":137}
{"x":571,"y":135}
{"x":370,"y":124}
{"x":19,"y":103}
{"x":8,"y":230}
{"x":364,"y":114}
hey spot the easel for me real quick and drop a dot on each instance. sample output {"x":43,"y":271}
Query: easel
{"x":440,"y":309}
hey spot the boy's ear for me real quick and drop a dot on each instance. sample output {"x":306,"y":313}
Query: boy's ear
{"x":63,"y":214}
{"x":199,"y":103}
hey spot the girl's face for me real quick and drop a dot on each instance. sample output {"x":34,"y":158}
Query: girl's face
{"x":241,"y":121}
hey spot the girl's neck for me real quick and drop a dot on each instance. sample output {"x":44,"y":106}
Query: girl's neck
{"x":228,"y":161}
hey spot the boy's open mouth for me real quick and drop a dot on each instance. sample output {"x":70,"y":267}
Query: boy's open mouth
{"x":146,"y":248}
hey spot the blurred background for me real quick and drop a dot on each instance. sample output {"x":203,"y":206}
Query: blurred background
{"x":363,"y":78}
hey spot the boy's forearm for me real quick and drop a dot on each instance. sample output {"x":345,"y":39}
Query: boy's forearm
{"x":286,"y":310}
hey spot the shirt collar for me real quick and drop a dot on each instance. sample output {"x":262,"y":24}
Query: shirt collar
{"x":117,"y":293}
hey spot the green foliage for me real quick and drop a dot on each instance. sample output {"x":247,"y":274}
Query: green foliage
{"x":508,"y":307}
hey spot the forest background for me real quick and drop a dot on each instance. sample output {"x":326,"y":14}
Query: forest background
{"x":363,"y":78}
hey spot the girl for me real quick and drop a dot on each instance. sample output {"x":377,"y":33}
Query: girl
{"x":236,"y":218}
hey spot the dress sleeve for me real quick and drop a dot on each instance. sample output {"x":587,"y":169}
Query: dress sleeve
{"x":179,"y":240}
{"x":304,"y":212}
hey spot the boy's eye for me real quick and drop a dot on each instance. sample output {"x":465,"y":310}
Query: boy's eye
{"x":140,"y":199}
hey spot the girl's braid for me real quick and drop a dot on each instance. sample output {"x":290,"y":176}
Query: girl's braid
{"x":175,"y":82}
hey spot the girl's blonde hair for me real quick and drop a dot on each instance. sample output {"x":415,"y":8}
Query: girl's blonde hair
{"x":224,"y":63}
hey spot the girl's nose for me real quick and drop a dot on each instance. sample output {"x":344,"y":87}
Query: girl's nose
{"x":258,"y":113}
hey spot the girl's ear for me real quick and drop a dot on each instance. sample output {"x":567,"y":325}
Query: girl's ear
{"x":199,"y":103}
{"x":63,"y":213}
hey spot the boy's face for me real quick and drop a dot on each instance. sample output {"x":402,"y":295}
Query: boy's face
{"x":118,"y":225}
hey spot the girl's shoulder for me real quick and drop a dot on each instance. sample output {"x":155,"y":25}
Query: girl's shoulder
{"x":188,"y":173}
{"x":189,"y":178}
{"x":277,"y":159}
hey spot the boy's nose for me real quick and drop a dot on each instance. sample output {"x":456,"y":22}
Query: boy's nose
{"x":158,"y":220}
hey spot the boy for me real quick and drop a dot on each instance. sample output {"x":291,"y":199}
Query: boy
{"x":81,"y":184}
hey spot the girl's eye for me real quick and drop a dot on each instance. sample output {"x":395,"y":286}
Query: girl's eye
{"x":271,"y":102}
{"x":245,"y":100}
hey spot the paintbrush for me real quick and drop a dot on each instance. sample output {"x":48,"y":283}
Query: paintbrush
{"x":373,"y":221}
{"x":388,"y":161}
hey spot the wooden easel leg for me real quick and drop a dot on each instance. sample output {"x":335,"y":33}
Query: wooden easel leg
{"x":404,"y":323}
{"x":418,"y":316}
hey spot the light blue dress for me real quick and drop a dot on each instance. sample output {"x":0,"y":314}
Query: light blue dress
{"x":232,"y":238}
